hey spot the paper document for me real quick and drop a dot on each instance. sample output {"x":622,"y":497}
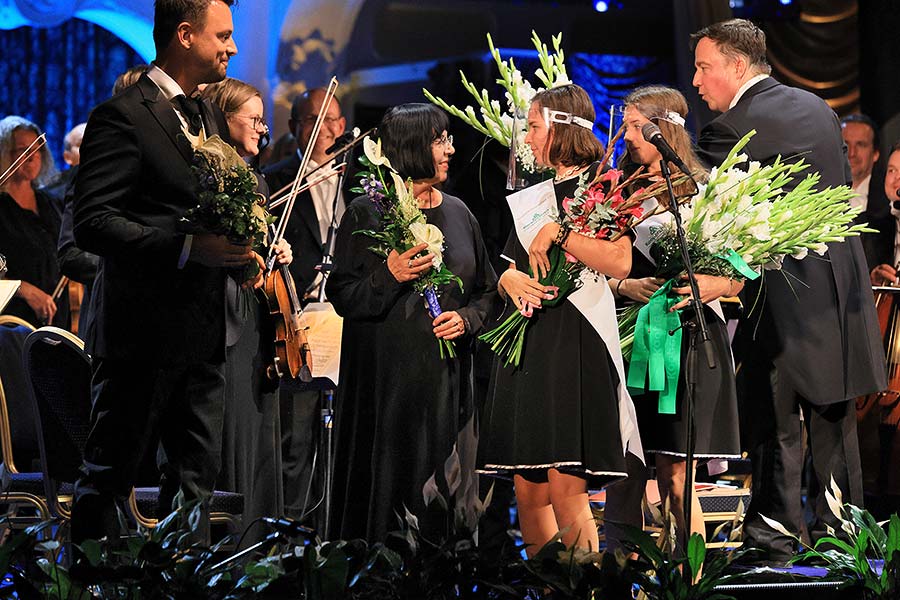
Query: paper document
{"x":324,"y":335}
{"x":8,"y":289}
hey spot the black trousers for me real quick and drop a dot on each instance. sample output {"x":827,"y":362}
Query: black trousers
{"x":131,"y":402}
{"x":771,"y":422}
{"x":301,"y":429}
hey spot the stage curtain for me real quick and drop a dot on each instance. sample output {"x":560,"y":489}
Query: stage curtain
{"x":54,"y":76}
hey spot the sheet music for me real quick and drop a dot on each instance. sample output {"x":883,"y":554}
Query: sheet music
{"x":8,"y":289}
{"x":324,"y":336}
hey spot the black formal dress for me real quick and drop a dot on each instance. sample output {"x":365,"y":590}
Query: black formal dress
{"x":159,"y":337}
{"x":28,"y":241}
{"x":402,"y":411}
{"x":560,"y":408}
{"x":812,"y":344}
{"x":251,"y":432}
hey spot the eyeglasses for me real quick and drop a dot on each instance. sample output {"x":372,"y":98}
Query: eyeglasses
{"x":445,"y":140}
{"x":255,"y":122}
{"x":310,"y":119}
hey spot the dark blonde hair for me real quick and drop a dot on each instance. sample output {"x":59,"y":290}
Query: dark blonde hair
{"x":654,"y":101}
{"x":128,"y":78}
{"x":8,"y":127}
{"x":570,"y":145}
{"x":230,"y":94}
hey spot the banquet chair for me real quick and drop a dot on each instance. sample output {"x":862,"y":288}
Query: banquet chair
{"x":21,"y":492}
{"x":59,"y":371}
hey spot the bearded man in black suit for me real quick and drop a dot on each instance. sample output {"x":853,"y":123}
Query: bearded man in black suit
{"x":810,"y":343}
{"x":158,"y":341}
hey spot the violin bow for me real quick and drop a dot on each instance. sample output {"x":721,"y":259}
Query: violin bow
{"x":279,"y":200}
{"x":33,"y":147}
{"x":301,"y":171}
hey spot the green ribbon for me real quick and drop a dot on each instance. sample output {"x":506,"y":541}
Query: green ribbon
{"x":656,"y":354}
{"x":736,"y":261}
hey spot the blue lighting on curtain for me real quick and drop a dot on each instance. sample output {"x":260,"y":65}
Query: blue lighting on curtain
{"x":54,"y":76}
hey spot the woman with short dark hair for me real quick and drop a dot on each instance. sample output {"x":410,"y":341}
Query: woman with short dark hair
{"x":403,"y":412}
{"x":561,"y":422}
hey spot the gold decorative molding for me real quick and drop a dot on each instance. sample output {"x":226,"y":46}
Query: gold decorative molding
{"x":810,"y":83}
{"x":820,"y":19}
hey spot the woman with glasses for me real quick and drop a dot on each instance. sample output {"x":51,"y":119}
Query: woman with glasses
{"x":561,"y":422}
{"x":404,"y":414}
{"x":29,"y":226}
{"x":251,"y":437}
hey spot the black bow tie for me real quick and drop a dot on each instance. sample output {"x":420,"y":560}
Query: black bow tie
{"x":190,"y":108}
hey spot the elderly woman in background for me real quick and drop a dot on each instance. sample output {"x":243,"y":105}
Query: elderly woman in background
{"x":715,"y":400}
{"x":29,"y":227}
{"x":251,"y":437}
{"x":561,"y":423}
{"x":403,"y":411}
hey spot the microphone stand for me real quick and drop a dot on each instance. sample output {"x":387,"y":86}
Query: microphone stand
{"x":327,"y":395}
{"x":698,"y":328}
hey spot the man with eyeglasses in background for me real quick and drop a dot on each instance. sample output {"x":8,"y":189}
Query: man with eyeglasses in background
{"x":307,"y":231}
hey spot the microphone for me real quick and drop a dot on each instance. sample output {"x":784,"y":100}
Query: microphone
{"x":652,"y":134}
{"x":343,"y":140}
{"x":289,"y":527}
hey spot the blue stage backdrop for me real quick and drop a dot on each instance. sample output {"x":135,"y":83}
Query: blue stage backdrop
{"x":54,"y":76}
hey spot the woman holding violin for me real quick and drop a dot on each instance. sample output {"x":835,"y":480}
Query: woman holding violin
{"x":29,"y":227}
{"x":251,"y":436}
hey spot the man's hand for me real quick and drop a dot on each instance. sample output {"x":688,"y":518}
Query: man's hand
{"x":217,"y":251}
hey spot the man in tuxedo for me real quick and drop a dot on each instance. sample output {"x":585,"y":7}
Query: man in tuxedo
{"x":307,"y":231}
{"x":158,"y":339}
{"x":810,"y":344}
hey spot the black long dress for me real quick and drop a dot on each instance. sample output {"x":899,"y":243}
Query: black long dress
{"x":251,"y":431}
{"x":560,"y":407}
{"x":401,"y":410}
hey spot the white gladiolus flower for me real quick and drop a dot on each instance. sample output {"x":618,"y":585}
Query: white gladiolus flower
{"x":820,"y":248}
{"x":426,"y":233}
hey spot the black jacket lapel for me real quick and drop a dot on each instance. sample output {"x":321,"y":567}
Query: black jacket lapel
{"x":165,"y":115}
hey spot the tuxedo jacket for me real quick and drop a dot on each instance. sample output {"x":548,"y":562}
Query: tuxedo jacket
{"x":302,"y":231}
{"x":816,"y":319}
{"x":132,"y":190}
{"x":878,"y":246}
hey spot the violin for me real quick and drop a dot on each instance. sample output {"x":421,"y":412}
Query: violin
{"x":293,"y":356}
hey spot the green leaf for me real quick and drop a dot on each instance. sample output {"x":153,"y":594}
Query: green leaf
{"x":696,"y":552}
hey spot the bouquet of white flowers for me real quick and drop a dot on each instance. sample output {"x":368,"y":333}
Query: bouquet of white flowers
{"x":403,"y":226}
{"x":742,"y":220}
{"x":509,"y":126}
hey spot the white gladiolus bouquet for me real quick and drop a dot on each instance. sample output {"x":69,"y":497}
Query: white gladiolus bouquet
{"x":508,"y":125}
{"x":743,"y":218}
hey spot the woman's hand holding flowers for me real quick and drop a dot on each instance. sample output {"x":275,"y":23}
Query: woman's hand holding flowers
{"x":540,"y":245}
{"x":449,"y":325}
{"x":405,"y":267}
{"x":639,"y":289}
{"x":525,"y":291}
{"x":711,"y":288}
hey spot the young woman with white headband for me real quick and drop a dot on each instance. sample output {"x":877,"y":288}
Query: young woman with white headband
{"x":561,"y":422}
{"x":715,"y":402}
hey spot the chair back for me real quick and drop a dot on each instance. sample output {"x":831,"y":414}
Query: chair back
{"x":18,"y":431}
{"x":59,"y":371}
